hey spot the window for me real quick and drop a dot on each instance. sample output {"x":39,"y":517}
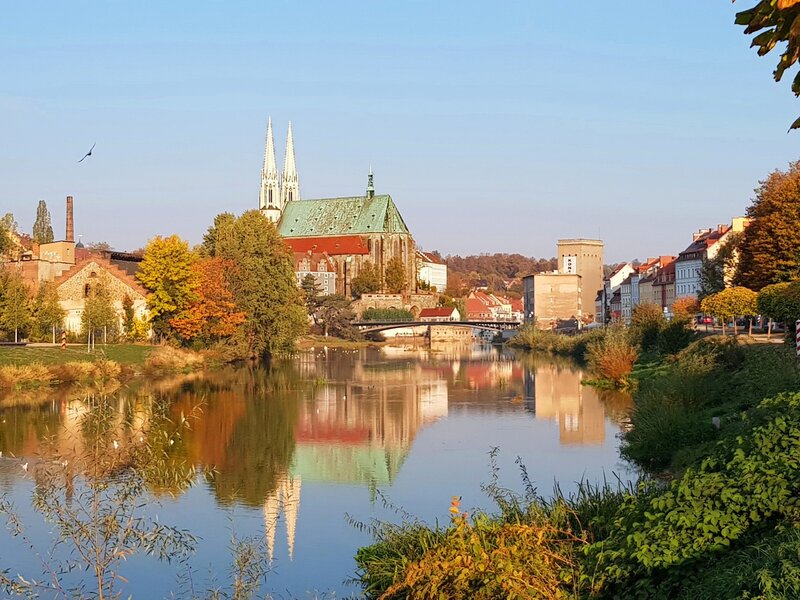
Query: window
{"x":87,"y":289}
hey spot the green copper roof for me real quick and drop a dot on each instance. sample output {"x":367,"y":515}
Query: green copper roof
{"x":357,"y":215}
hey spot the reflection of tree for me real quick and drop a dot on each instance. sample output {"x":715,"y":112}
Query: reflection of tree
{"x":617,"y":404}
{"x":261,"y":446}
{"x":22,"y":426}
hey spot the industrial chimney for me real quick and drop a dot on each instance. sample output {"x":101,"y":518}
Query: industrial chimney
{"x":70,"y":221}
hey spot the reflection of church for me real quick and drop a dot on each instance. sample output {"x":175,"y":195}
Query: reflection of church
{"x":348,"y":231}
{"x":285,"y":498}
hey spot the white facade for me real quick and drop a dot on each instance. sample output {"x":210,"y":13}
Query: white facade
{"x":324,"y":276}
{"x":626,"y":301}
{"x":432,"y":272}
{"x":276,"y":190}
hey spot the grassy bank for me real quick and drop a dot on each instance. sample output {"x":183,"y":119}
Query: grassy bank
{"x":716,"y":430}
{"x":124,"y":354}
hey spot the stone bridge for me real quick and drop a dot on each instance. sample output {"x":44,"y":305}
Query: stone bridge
{"x":374,"y":326}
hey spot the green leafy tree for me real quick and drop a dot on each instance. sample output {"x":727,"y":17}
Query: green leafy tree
{"x":166,"y":270}
{"x":263,"y":285}
{"x":780,"y":302}
{"x":395,"y":275}
{"x":731,"y":303}
{"x":218,"y":234}
{"x":7,"y":226}
{"x":368,"y":280}
{"x":15,"y":305}
{"x":98,"y":313}
{"x":47,"y":311}
{"x":335,"y":315}
{"x":716,"y":273}
{"x":775,"y":22}
{"x":311,"y":291}
{"x":42,"y":226}
{"x":647,"y":322}
{"x":128,"y":316}
{"x":770,"y":248}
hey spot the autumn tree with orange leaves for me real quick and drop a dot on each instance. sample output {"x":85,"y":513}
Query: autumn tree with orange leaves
{"x":212,"y":315}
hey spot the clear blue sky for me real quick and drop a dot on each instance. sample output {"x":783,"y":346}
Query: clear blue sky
{"x":494,"y":126}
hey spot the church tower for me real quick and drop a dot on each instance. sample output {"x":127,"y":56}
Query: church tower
{"x":269,"y":199}
{"x":290,"y":185}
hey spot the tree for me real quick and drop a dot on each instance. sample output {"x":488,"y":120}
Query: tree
{"x":166,"y":270}
{"x":395,"y":275}
{"x":212,"y":315}
{"x":98,"y":312}
{"x":47,"y":311}
{"x":367,"y":281}
{"x":729,"y":304}
{"x":716,"y":273}
{"x":770,"y":248}
{"x":98,"y":247}
{"x":263,"y":285}
{"x":128,"y":316}
{"x":780,"y":302}
{"x":15,"y":305}
{"x":8,"y":226}
{"x":685,"y":308}
{"x":335,"y":315}
{"x":647,"y":322}
{"x":42,"y":227}
{"x":311,"y":291}
{"x":218,"y":234}
{"x":778,"y":20}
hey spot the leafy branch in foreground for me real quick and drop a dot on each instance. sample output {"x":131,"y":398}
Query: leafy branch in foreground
{"x":778,"y":22}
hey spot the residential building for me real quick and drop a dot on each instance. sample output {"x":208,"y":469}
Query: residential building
{"x":320,"y":266}
{"x":664,"y":287}
{"x":612,"y":283}
{"x":705,"y":245}
{"x":482,"y":306}
{"x":583,"y":257}
{"x":550,"y":297}
{"x":432,"y":271}
{"x":438,"y":315}
{"x":626,"y":299}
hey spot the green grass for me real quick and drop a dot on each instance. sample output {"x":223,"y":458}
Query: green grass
{"x":122,"y":353}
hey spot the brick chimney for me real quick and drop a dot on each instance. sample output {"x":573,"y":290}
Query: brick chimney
{"x":70,"y":221}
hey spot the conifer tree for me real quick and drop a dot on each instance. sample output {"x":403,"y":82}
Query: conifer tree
{"x":42,"y":227}
{"x":367,"y":281}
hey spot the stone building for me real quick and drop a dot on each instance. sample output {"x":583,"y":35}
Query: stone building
{"x":350,"y":230}
{"x":585,"y":258}
{"x":75,"y":270}
{"x":551,"y":297}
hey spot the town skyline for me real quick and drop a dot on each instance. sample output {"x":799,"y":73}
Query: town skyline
{"x":660,"y":123}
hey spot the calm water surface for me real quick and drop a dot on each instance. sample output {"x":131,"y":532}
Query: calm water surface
{"x":291,"y":450}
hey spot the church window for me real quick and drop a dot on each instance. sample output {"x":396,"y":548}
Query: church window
{"x":87,"y":289}
{"x":270,"y":197}
{"x":290,"y":195}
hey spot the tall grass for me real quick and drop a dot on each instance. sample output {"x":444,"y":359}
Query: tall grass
{"x":166,"y":360}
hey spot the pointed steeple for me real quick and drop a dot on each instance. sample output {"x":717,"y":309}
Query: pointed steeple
{"x":269,"y":196}
{"x":290,"y":184}
{"x":370,"y":184}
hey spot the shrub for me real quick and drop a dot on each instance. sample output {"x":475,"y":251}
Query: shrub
{"x":704,"y":355}
{"x":612,"y":357}
{"x":106,"y":369}
{"x":647,"y":321}
{"x":73,"y":372}
{"x":387,"y":314}
{"x":167,"y":359}
{"x":18,"y":376}
{"x":675,"y":336}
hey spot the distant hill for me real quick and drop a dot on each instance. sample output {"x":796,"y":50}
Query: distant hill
{"x":498,"y":272}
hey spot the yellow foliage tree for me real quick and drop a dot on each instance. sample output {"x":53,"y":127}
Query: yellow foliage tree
{"x":167,"y":271}
{"x":731,"y":303}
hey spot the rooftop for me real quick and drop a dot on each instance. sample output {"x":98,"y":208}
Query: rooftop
{"x":341,"y":216}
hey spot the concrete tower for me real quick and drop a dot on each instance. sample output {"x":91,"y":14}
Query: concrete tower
{"x":269,"y":199}
{"x":290,"y":185}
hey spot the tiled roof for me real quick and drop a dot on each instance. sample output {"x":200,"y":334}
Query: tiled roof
{"x":705,"y":241}
{"x":430,"y":258}
{"x":334,"y":245}
{"x":314,"y":258}
{"x":341,"y":216}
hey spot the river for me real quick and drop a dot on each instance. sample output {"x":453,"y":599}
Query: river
{"x":286,"y":454}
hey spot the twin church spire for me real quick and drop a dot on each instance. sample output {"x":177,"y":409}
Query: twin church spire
{"x":278,"y":190}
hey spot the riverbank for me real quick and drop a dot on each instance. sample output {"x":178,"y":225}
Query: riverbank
{"x":46,"y":366}
{"x":716,"y":431}
{"x":309,"y":342}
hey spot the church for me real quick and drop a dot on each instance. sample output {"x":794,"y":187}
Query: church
{"x":339,"y":233}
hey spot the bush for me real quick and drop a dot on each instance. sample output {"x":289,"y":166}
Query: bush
{"x":18,"y":376}
{"x":73,"y":372}
{"x":531,"y":338}
{"x":675,"y":336}
{"x":387,"y":314}
{"x":167,"y":359}
{"x":709,"y":353}
{"x":612,"y":356}
{"x":647,"y":321}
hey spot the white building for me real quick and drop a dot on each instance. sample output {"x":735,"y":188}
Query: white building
{"x":432,"y":271}
{"x":320,"y":266}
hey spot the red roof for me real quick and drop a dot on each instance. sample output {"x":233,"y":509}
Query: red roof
{"x":436,"y":312}
{"x":334,"y":245}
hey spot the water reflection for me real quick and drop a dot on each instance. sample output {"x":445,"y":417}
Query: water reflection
{"x":261,"y":438}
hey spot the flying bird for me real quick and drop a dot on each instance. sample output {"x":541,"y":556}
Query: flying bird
{"x":89,"y":153}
